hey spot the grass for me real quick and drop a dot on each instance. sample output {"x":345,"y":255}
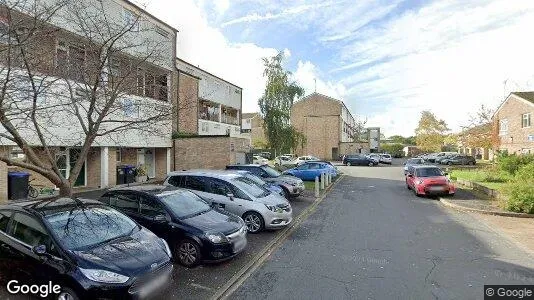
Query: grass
{"x":486,"y":177}
{"x":309,"y":185}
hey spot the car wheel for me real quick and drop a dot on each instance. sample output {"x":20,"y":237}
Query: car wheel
{"x":371,"y":164}
{"x":349,"y":164}
{"x":449,"y":163}
{"x":286,"y":193}
{"x":188,"y":253}
{"x":254,"y":222}
{"x":67,"y":294}
{"x":471,"y":163}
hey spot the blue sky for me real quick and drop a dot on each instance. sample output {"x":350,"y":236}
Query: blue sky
{"x":387,"y":60}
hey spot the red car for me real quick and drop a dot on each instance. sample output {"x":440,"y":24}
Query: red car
{"x":429,"y":181}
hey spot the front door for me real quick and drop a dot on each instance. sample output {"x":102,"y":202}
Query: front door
{"x":74,"y":154}
{"x":150,"y":163}
{"x":335,"y":153}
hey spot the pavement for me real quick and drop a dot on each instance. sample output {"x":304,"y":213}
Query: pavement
{"x":371,"y":238}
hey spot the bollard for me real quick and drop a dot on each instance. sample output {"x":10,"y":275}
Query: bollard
{"x":322,"y":181}
{"x":317,"y":193}
{"x":327,"y":179}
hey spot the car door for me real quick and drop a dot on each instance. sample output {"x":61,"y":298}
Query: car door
{"x":25,"y":232}
{"x":126,"y":202}
{"x":10,"y":260}
{"x":410,"y":177}
{"x":303,"y":171}
{"x":154,"y":217}
{"x":315,"y":170}
{"x":220,"y":192}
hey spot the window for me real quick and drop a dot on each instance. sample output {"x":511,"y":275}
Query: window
{"x":503,"y":127}
{"x":176,"y":181}
{"x":28,"y":230}
{"x":4,"y":219}
{"x":151,"y":208}
{"x":184,"y":203}
{"x":525,"y":120}
{"x":194,"y":183}
{"x":131,"y":20}
{"x":118,"y":153}
{"x":152,"y":85}
{"x":208,"y":111}
{"x":219,"y":187}
{"x":304,"y":167}
{"x":127,"y":203}
{"x":70,"y":60}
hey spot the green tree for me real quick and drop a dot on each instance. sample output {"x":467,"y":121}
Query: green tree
{"x":394,"y":149}
{"x":430,"y":132}
{"x":275,"y":105}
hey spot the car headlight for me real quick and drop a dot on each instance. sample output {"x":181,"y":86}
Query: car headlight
{"x":274,"y":208}
{"x":217,"y":237}
{"x":167,"y":248}
{"x":104,"y":276}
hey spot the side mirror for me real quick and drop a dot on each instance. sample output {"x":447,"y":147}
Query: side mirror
{"x":231,"y":196}
{"x":159,"y":218}
{"x":39,"y":250}
{"x":446,"y":173}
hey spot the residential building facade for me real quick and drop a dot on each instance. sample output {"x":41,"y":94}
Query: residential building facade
{"x":326,"y":123}
{"x":513,"y":123}
{"x":66,"y":55}
{"x":252,"y":127}
{"x":208,"y":120}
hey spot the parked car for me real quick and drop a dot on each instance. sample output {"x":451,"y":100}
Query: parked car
{"x":89,"y":249}
{"x":439,"y":159}
{"x":429,"y":180}
{"x":284,"y":161}
{"x":266,"y":155}
{"x":302,"y":159}
{"x":291,"y":185}
{"x":432,"y":157}
{"x":259,"y":160}
{"x":358,"y":160}
{"x":290,"y":155}
{"x":194,"y":230}
{"x":459,"y":160}
{"x":374,"y":157}
{"x":259,"y":208}
{"x":275,"y":188}
{"x":385,"y":158}
{"x":411,"y":162}
{"x":308,"y":171}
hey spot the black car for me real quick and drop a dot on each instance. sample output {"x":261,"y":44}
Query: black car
{"x":358,"y":160}
{"x":194,"y":230}
{"x":88,"y":249}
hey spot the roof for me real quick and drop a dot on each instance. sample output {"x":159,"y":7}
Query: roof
{"x":329,"y":98}
{"x":149,"y":188}
{"x":209,"y":173}
{"x":150,"y":15}
{"x":529,"y":96}
{"x":250,"y":115}
{"x":49,"y":204}
{"x":202,"y":70}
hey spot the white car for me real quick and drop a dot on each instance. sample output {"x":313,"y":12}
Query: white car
{"x":284,"y":161}
{"x":258,"y":160}
{"x":385,"y":159}
{"x":303,"y":159}
{"x":374,"y":157}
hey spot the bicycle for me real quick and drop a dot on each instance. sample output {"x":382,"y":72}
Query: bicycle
{"x":34,"y":192}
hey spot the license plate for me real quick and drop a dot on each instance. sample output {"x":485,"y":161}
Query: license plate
{"x":240,"y":244}
{"x":154,"y":285}
{"x":436,"y":188}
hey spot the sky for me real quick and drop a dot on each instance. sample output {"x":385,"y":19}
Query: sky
{"x":387,"y":60}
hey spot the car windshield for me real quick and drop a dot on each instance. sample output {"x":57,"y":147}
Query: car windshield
{"x":415,"y":161}
{"x":250,"y":187}
{"x":428,"y":172}
{"x":184,"y":204}
{"x":255,"y":179}
{"x":272,"y":172}
{"x":87,"y":227}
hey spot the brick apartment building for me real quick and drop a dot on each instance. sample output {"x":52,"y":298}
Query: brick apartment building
{"x":63,"y":51}
{"x":252,"y":128}
{"x":328,"y":126}
{"x":514,"y":124}
{"x":208,"y":120}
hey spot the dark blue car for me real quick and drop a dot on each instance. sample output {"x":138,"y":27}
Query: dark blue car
{"x":309,"y":170}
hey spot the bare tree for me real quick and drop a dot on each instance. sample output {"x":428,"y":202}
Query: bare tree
{"x":92,"y":88}
{"x":478,"y":133}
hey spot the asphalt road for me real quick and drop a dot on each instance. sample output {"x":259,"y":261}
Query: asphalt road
{"x":371,"y":238}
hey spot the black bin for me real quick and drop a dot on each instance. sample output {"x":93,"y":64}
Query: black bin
{"x":121,"y":175}
{"x":129,"y":172}
{"x":17,"y":185}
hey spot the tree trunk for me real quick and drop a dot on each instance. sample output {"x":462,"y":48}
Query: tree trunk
{"x":65,"y":189}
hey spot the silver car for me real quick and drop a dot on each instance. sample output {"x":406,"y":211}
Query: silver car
{"x":259,"y":208}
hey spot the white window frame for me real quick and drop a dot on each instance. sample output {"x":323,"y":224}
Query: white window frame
{"x":118,"y":154}
{"x":528,"y":118}
{"x":503,"y":127}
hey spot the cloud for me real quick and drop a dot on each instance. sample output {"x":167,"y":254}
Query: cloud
{"x":221,"y":6}
{"x":308,"y":76}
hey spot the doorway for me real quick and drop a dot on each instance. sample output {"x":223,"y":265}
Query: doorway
{"x":65,"y":161}
{"x":147,"y":158}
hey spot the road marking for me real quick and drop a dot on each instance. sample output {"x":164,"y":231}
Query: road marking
{"x":239,"y":278}
{"x":200,"y":286}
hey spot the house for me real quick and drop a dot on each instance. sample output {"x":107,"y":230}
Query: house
{"x":327,"y":124}
{"x":512,"y":121}
{"x":66,"y":53}
{"x":208,"y":126}
{"x":252,"y":128}
{"x":476,"y":141}
{"x":410,"y":151}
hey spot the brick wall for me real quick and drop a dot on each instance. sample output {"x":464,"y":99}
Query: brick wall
{"x":3,"y":182}
{"x":352,"y":148}
{"x":93,"y":168}
{"x":161,"y":163}
{"x":318,"y":118}
{"x":129,"y":156}
{"x":187,"y":108}
{"x":516,"y":139}
{"x":112,"y":166}
{"x":207,"y":152}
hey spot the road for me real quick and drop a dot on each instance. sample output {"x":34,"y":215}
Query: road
{"x":371,"y":238}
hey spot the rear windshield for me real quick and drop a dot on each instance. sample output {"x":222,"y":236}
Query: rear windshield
{"x":428,"y":172}
{"x":414,"y":161}
{"x":86,"y":227}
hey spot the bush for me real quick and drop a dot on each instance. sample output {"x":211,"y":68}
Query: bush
{"x":520,"y":197}
{"x":525,"y":173}
{"x":512,"y":163}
